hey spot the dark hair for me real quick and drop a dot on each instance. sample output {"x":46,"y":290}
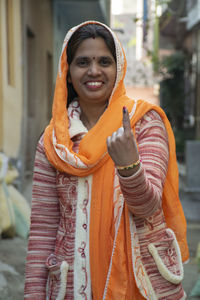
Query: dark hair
{"x":83,"y":33}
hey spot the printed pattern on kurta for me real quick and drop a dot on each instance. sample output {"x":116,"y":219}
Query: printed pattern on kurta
{"x":55,"y":198}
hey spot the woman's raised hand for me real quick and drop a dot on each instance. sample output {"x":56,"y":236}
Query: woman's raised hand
{"x":122,"y":146}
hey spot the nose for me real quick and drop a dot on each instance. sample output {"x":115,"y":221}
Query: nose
{"x":94,"y":69}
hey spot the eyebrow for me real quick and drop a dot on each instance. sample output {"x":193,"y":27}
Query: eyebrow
{"x":88,"y":57}
{"x":81,"y":57}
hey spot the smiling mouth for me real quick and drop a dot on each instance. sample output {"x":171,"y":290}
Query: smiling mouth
{"x":94,"y":84}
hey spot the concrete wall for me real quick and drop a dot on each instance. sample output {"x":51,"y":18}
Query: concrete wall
{"x":198,"y":86}
{"x":26,"y":101}
{"x":11,"y":99}
{"x":38,"y":18}
{"x":26,"y":56}
{"x":106,"y":8}
{"x":192,"y":188}
{"x":1,"y":85}
{"x":38,"y":73}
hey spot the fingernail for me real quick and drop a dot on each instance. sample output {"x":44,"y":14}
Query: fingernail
{"x":124,"y":109}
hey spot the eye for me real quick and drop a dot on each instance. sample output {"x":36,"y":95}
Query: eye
{"x":105,"y":61}
{"x":82,"y":62}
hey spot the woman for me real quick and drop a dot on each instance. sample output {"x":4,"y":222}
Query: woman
{"x":105,"y":185}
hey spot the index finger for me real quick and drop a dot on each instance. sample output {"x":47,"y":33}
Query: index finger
{"x":126,"y":120}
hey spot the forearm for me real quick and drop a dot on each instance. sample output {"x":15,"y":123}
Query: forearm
{"x":143,"y":189}
{"x":44,"y":224}
{"x":142,"y":197}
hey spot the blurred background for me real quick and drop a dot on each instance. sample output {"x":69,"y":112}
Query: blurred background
{"x":161,"y":39}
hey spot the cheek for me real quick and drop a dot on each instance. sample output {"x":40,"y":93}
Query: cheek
{"x":74,"y":74}
{"x":113,"y":77}
{"x":113,"y":72}
{"x":76,"y":86}
{"x":75,"y":78}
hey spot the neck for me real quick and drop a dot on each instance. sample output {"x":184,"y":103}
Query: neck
{"x":90,"y":114}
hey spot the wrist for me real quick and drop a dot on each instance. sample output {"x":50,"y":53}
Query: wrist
{"x":130,"y":172}
{"x":129,"y":167}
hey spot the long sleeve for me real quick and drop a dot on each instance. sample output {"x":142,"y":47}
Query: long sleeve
{"x":44,"y":224}
{"x":143,"y":190}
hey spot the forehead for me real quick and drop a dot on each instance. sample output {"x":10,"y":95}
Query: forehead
{"x":93,"y":46}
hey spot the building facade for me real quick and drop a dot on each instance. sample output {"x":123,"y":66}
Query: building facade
{"x":31,"y":36}
{"x":180,"y":30}
{"x":11,"y":82}
{"x":193,"y":44}
{"x":133,"y":22}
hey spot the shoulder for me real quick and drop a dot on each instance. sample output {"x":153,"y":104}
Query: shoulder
{"x":40,"y":142}
{"x":41,"y":139}
{"x":150,"y":117}
{"x":40,"y":145}
{"x":145,"y":111}
{"x":151,"y":124}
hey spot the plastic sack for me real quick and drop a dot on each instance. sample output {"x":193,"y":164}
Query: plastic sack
{"x":11,"y":175}
{"x":196,"y":289}
{"x":14,"y":209}
{"x":22,"y":212}
{"x":7,"y":215}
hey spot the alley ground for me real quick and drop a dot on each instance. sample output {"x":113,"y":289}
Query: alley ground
{"x":13,"y":251}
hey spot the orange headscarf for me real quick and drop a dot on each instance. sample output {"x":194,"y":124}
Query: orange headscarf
{"x":92,"y":158}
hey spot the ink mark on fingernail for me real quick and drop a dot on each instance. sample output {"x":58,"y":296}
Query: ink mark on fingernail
{"x":124,"y":109}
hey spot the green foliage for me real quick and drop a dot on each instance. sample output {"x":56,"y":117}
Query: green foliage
{"x":172,"y":94}
{"x":174,"y":64}
{"x":180,"y":140}
{"x":172,"y":88}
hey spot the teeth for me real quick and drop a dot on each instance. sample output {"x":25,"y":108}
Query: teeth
{"x":94,"y":83}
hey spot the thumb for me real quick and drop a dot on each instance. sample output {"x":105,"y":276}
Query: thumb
{"x":126,"y":120}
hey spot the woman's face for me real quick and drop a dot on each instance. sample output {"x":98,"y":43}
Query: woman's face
{"x":92,"y":71}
